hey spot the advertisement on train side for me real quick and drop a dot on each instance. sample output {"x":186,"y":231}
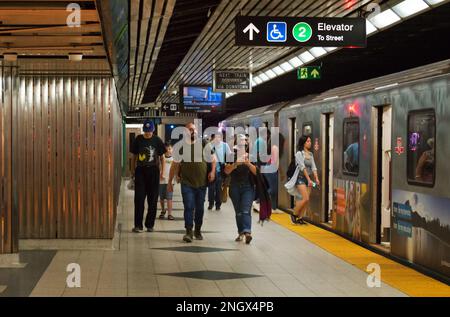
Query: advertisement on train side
{"x":421,"y":230}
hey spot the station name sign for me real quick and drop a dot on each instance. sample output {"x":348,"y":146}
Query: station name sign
{"x":294,"y":31}
{"x":232,"y":81}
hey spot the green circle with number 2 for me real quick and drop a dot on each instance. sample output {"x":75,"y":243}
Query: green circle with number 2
{"x":302,"y":32}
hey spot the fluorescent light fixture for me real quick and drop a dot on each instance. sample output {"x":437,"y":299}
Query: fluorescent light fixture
{"x":386,"y":86}
{"x":10,"y":57}
{"x":75,"y":57}
{"x":254,"y":83}
{"x":278,"y":70}
{"x":271,"y":74}
{"x":295,"y":62}
{"x":257,"y":80}
{"x":384,"y":19}
{"x":409,"y":7}
{"x":306,"y":57}
{"x":370,"y":28}
{"x":433,"y":2}
{"x":286,"y":66}
{"x":317,"y":51}
{"x":264,"y":77}
{"x":330,"y":49}
{"x":331,"y":98}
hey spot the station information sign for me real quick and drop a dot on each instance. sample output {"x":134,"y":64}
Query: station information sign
{"x":232,"y":81}
{"x":294,"y":31}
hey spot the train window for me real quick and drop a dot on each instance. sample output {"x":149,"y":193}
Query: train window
{"x":421,"y":147}
{"x":307,"y":129}
{"x":351,"y":147}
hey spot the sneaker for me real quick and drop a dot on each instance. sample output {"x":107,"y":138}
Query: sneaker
{"x":239,"y":238}
{"x":161,"y":216}
{"x":137,"y":230}
{"x":294,"y":219}
{"x":210,"y":207}
{"x":149,"y":229}
{"x":217,"y":208}
{"x":248,"y":238}
{"x":301,"y":221}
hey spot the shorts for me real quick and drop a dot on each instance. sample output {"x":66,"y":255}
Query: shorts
{"x":301,"y":180}
{"x":163,"y":193}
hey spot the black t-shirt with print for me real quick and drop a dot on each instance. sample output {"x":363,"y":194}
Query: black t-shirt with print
{"x":148,"y":151}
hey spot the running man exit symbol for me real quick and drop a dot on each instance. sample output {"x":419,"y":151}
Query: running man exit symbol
{"x":276,"y":31}
{"x":309,"y":72}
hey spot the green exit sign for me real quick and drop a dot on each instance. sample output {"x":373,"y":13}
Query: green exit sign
{"x":309,"y":72}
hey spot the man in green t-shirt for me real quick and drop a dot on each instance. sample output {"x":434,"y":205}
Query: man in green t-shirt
{"x":195,"y":171}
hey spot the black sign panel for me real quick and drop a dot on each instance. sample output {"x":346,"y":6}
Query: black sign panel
{"x":170,"y":108}
{"x":294,"y":31}
{"x":231,"y":81}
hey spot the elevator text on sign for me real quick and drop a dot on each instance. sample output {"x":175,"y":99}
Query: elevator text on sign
{"x":298,"y":31}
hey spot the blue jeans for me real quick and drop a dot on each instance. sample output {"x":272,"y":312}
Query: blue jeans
{"x":193,"y":201}
{"x":272,"y":181}
{"x":242,"y":197}
{"x":215,"y":191}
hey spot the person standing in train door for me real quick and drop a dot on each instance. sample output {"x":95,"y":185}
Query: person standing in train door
{"x":305,"y":161}
{"x":195,"y":173}
{"x":148,"y":166}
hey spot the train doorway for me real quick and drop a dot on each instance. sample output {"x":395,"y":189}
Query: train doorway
{"x":329,"y":135}
{"x":384,"y":176}
{"x":292,"y":148}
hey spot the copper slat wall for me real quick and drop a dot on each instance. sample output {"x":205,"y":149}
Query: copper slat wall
{"x":68,"y":156}
{"x":8,"y":216}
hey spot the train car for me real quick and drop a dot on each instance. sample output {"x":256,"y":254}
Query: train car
{"x":380,"y":147}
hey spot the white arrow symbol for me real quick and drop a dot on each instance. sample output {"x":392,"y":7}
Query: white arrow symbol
{"x":251,"y":28}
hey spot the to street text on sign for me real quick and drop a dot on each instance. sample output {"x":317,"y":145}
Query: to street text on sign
{"x":293,"y":31}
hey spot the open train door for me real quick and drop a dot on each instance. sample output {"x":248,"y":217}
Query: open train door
{"x":329,"y":141}
{"x":384,"y":175}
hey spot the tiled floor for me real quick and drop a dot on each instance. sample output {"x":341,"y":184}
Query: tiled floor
{"x":278,"y":262}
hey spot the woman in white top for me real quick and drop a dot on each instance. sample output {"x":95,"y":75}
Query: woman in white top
{"x":305,"y":161}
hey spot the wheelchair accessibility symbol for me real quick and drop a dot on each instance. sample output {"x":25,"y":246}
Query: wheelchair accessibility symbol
{"x":276,"y":31}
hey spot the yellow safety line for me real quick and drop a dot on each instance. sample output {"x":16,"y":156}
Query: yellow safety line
{"x":393,"y":273}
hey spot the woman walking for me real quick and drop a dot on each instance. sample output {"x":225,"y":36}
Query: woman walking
{"x":242,"y":188}
{"x":307,"y":168}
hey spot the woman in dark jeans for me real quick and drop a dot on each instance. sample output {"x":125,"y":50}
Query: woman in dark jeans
{"x":242,"y":188}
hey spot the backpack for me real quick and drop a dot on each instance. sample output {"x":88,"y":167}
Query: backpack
{"x":291,"y":169}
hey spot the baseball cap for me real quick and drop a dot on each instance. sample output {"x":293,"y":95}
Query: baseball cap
{"x":149,"y":126}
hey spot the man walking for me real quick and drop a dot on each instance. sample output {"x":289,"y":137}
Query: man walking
{"x":195,"y":172}
{"x":221,"y":149}
{"x":147,"y":164}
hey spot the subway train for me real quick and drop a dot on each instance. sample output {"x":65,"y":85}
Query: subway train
{"x":381,"y":148}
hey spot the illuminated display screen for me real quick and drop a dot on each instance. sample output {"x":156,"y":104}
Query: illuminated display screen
{"x":202,"y":99}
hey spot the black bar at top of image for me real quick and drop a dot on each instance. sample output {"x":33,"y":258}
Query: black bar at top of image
{"x":355,"y":38}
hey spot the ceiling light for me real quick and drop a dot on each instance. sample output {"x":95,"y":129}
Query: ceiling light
{"x":75,"y":57}
{"x":264,"y":77}
{"x":433,"y":2}
{"x":257,"y":80}
{"x":409,"y":7}
{"x":306,"y":57}
{"x":286,"y":66}
{"x":370,"y":28}
{"x":10,"y":57}
{"x":331,"y":98}
{"x":271,"y":74}
{"x":384,"y":19}
{"x":295,"y":62}
{"x":317,"y":51}
{"x":278,"y":70}
{"x":330,"y":49}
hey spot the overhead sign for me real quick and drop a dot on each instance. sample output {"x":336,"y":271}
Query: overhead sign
{"x":232,"y":81}
{"x":170,"y":108}
{"x":309,"y":72}
{"x":293,"y":31}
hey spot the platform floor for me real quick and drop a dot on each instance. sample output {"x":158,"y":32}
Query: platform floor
{"x":278,"y":262}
